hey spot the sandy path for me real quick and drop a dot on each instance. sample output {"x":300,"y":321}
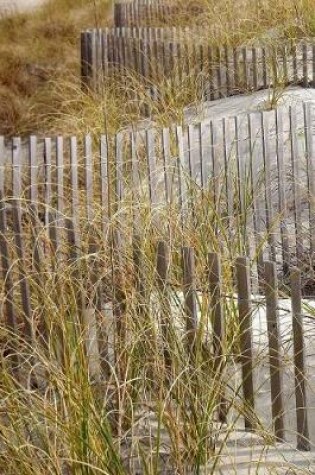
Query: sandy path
{"x":9,"y":7}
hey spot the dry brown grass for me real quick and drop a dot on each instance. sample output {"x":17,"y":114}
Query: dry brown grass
{"x":39,"y":60}
{"x":37,"y":48}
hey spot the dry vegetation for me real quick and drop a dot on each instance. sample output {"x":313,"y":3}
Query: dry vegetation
{"x":39,"y":61}
{"x":154,"y":405}
{"x":37,"y":50}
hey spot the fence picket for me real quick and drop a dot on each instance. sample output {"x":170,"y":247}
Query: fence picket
{"x":7,"y":276}
{"x":22,"y":269}
{"x":162,"y":268}
{"x":245,"y":326}
{"x":271,"y":293}
{"x":268,"y":190}
{"x":296,"y":184}
{"x":308,"y":117}
{"x":218,"y":324}
{"x":47,"y":178}
{"x":33,"y":164}
{"x":190,"y":305}
{"x":74,"y":183}
{"x":88,"y":170}
{"x":105,"y":201}
{"x":282,"y":193}
{"x":16,"y":168}
{"x":303,"y":442}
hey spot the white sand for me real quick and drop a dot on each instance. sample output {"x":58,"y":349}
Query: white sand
{"x":245,"y":104}
{"x":9,"y":7}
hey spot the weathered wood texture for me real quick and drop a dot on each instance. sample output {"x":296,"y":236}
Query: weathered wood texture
{"x":87,"y":270}
{"x":249,"y":179}
{"x":156,"y":55}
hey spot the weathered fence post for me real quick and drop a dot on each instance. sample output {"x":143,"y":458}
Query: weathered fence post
{"x":6,"y":274}
{"x":218,"y":324}
{"x":24,"y":284}
{"x":245,"y":325}
{"x":271,"y":292}
{"x":162,"y":268}
{"x":119,"y":301}
{"x":190,"y":305}
{"x":303,"y":442}
{"x":85,"y":303}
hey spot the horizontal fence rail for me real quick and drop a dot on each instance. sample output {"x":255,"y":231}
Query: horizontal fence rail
{"x":248,"y":180}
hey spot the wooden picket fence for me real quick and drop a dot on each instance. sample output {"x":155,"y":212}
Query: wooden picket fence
{"x":247,"y":180}
{"x":31,"y":252}
{"x":157,"y":55}
{"x":144,"y":12}
{"x":144,"y":45}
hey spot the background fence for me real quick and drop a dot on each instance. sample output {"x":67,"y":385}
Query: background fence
{"x":151,"y":13}
{"x":157,"y":56}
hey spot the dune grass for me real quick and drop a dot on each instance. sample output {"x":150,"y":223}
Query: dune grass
{"x":109,"y":382}
{"x":133,"y":400}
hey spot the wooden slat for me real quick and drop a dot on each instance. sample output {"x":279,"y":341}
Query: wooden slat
{"x":272,"y":304}
{"x":264,"y":69}
{"x":152,"y":170}
{"x":84,"y":59}
{"x":295,"y":163}
{"x":105,"y":199}
{"x":90,"y":307}
{"x":305,"y":64}
{"x":308,"y":119}
{"x":23,"y":280}
{"x":16,"y":167}
{"x":218,"y":324}
{"x":268,"y":185}
{"x":60,"y":187}
{"x":7,"y":276}
{"x":88,"y":171}
{"x":236,"y":77}
{"x":182,"y":193}
{"x":228,"y":175}
{"x":282,"y":192}
{"x":245,"y":69}
{"x":119,"y":184}
{"x":303,"y":442}
{"x":245,"y":326}
{"x":256,"y":195}
{"x":47,"y":178}
{"x":255,"y":69}
{"x":295,"y":64}
{"x":163,"y":269}
{"x":166,"y":146}
{"x":33,"y":164}
{"x":204,"y":154}
{"x":74,"y":183}
{"x":240,"y":166}
{"x":190,"y":305}
{"x":216,"y":155}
